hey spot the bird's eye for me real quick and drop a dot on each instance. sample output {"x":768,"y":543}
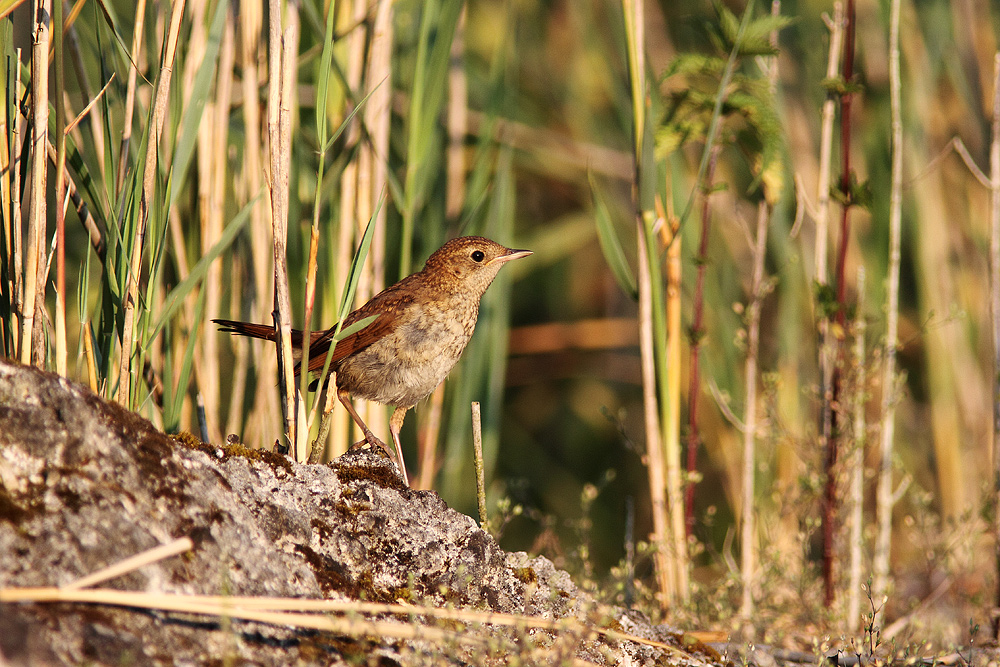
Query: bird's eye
{"x":477,"y":255}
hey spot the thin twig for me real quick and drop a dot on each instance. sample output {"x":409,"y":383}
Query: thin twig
{"x":723,"y":404}
{"x":90,"y":105}
{"x":477,"y":444}
{"x":955,"y":144}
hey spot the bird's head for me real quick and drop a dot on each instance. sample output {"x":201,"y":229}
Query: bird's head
{"x":469,"y":263}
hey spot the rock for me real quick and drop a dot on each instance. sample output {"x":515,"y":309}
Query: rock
{"x":85,"y":484}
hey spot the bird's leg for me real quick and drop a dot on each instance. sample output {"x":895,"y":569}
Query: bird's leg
{"x":395,"y":424}
{"x":345,"y":398}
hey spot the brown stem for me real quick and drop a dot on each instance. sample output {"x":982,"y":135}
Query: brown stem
{"x":995,"y":308}
{"x":830,"y":495}
{"x":697,"y":332}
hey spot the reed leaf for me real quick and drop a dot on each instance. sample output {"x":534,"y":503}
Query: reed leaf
{"x":614,"y":254}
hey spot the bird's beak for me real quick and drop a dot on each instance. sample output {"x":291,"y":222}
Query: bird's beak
{"x":511,"y":254}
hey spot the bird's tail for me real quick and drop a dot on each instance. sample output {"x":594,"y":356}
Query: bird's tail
{"x":320,"y":339}
{"x":262,"y":331}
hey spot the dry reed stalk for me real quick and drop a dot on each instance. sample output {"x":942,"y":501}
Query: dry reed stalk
{"x":217,"y":111}
{"x":37,"y":210}
{"x":884,"y":491}
{"x":204,"y":365}
{"x":61,"y":353}
{"x":477,"y":448}
{"x":371,"y":413}
{"x":179,"y":256}
{"x":241,"y":362}
{"x":995,"y":313}
{"x":225,"y":609}
{"x":748,"y":530}
{"x":377,"y":115}
{"x":672,"y":427}
{"x":211,"y":380}
{"x":289,"y":75}
{"x":282,"y":47}
{"x":266,"y":406}
{"x":148,"y":187}
{"x":655,"y":466}
{"x":123,"y":151}
{"x":665,"y":561}
{"x":458,"y":122}
{"x":954,"y":375}
{"x":856,"y":467}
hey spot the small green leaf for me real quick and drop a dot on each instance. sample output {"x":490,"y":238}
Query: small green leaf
{"x":839,"y":86}
{"x":614,"y":255}
{"x":826,"y":300}
{"x":354,"y":328}
{"x":359,"y":259}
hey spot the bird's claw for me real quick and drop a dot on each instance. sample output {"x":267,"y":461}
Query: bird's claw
{"x":371,"y":441}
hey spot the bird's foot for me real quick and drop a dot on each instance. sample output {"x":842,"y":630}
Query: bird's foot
{"x":371,"y":442}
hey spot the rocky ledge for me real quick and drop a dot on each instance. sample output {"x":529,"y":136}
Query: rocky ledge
{"x":85,"y":484}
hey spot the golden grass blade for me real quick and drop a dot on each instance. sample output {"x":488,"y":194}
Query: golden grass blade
{"x":278,"y":611}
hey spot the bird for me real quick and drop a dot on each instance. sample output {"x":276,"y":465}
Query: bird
{"x":422,"y":325}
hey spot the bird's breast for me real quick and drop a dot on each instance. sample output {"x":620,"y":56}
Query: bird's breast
{"x":414,"y":358}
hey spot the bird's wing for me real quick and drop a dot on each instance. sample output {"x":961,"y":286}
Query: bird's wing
{"x":386,"y":306}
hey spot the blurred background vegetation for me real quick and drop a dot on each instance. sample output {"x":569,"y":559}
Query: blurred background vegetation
{"x":516,"y":120}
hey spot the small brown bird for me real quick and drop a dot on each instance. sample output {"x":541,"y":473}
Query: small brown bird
{"x":422,"y":326}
